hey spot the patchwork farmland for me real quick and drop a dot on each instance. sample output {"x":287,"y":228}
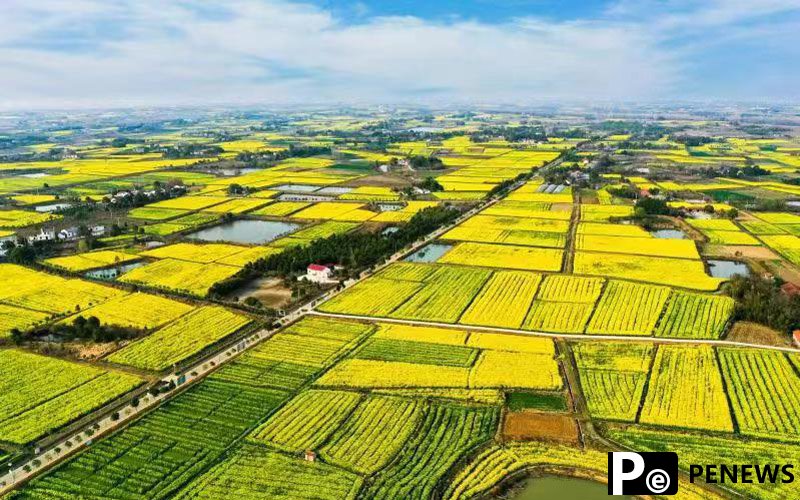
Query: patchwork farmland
{"x":308,"y":312}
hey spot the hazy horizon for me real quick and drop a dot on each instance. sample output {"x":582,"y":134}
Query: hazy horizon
{"x":93,"y":54}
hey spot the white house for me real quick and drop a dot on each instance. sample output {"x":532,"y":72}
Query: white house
{"x":44,"y":235}
{"x":318,"y":274}
{"x":69,"y":233}
{"x":97,"y":230}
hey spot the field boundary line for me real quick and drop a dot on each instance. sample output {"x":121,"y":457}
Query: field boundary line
{"x":567,"y":336}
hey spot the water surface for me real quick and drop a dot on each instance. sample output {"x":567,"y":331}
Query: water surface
{"x":669,"y":234}
{"x":53,"y":207}
{"x":112,"y":273}
{"x":727,"y":268}
{"x":562,"y":488}
{"x":429,"y":253}
{"x":253,"y":232}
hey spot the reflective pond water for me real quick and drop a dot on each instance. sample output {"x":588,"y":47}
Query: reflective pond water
{"x":253,"y":232}
{"x":727,"y":268}
{"x":112,"y":273}
{"x":669,"y":234}
{"x":429,"y":253}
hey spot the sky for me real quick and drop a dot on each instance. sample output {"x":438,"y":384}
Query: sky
{"x":115,"y":53}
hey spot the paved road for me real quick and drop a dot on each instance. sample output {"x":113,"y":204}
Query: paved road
{"x":567,"y":336}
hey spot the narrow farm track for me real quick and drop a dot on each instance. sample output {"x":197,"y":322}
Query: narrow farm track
{"x":567,"y":336}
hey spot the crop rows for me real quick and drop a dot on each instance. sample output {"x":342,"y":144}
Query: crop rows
{"x":686,"y":390}
{"x":380,"y":349}
{"x":504,"y":256}
{"x":158,"y":454}
{"x":628,"y":309}
{"x":447,"y":293}
{"x":307,"y":420}
{"x":374,"y":433}
{"x":254,"y":471}
{"x":504,"y":300}
{"x":50,"y":393}
{"x":446,"y":432}
{"x":693,"y":315}
{"x":181,"y":339}
{"x":761,"y":387}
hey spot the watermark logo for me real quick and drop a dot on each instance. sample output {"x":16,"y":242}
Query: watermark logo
{"x":631,"y":473}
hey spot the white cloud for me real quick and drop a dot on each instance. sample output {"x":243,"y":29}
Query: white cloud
{"x":108,"y":53}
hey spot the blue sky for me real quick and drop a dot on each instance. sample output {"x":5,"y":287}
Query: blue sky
{"x":96,"y":53}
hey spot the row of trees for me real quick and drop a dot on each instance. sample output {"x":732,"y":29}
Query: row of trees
{"x":356,"y":251}
{"x":761,"y":300}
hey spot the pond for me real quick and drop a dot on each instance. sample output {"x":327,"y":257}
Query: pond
{"x":112,"y":273}
{"x":53,"y":207}
{"x":727,"y":268}
{"x":253,"y":232}
{"x":429,"y":253}
{"x":334,"y":190}
{"x":561,"y":487}
{"x":229,"y":172}
{"x":669,"y":234}
{"x":297,"y":188}
{"x":389,"y":207}
{"x":35,"y":175}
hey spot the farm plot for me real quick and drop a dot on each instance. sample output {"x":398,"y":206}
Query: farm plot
{"x":237,"y":206}
{"x":189,"y":202}
{"x":331,"y":210}
{"x":405,"y":351}
{"x":628,"y":309}
{"x":179,"y":275}
{"x":156,"y":214}
{"x":446,"y":432}
{"x":558,"y":317}
{"x":695,"y":315}
{"x":684,"y":249}
{"x":612,"y":377}
{"x":12,"y":219}
{"x":504,"y":256}
{"x":504,"y":300}
{"x":682,"y":273}
{"x":372,"y":297}
{"x":374,"y":433}
{"x":558,"y":224}
{"x":760,"y":387}
{"x":157,"y":454}
{"x":785,"y":244}
{"x":16,"y":317}
{"x":567,"y":288}
{"x":511,"y":237}
{"x":281,"y":208}
{"x":604,"y":213}
{"x":686,"y":390}
{"x":138,"y":310}
{"x":447,"y":292}
{"x":369,"y":374}
{"x":90,"y":260}
{"x":312,"y":342}
{"x":307,"y":420}
{"x":317,"y":231}
{"x":181,"y":339}
{"x":254,"y":471}
{"x":51,"y":393}
{"x":205,"y":253}
{"x":603,"y":229}
{"x":515,"y":370}
{"x":46,"y":293}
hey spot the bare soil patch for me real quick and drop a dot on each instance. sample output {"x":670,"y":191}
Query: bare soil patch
{"x":529,"y":425}
{"x":753,"y":333}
